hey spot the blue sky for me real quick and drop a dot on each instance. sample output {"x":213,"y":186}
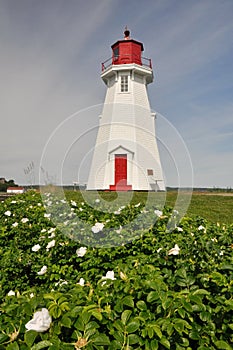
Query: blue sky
{"x":51,"y":54}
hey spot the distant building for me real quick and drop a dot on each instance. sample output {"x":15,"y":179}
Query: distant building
{"x":15,"y":190}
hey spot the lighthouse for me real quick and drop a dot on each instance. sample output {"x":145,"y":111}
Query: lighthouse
{"x":126,"y":156}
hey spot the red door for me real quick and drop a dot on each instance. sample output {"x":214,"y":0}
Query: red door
{"x":121,"y":169}
{"x":120,"y":174}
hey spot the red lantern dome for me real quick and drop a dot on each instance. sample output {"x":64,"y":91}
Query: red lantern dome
{"x":127,"y":50}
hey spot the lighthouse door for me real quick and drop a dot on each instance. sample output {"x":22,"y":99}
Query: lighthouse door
{"x":120,"y":174}
{"x":121,"y":169}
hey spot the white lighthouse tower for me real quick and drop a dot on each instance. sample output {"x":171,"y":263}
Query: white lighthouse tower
{"x":126,"y":155}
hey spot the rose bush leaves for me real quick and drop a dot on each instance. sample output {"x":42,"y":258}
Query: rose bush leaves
{"x":148,"y":298}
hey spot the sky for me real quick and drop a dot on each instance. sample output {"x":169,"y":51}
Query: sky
{"x":51,"y":92}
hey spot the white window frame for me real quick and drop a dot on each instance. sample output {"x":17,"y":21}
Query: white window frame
{"x":124,"y":83}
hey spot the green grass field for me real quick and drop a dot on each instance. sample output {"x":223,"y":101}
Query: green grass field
{"x":213,"y":207}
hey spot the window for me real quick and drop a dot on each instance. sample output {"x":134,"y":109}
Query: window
{"x":150,"y":172}
{"x":116,"y":53}
{"x":124,"y":83}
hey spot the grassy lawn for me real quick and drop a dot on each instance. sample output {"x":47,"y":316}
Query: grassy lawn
{"x":216,"y":208}
{"x":213,"y":207}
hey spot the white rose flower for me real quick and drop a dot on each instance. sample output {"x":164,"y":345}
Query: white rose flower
{"x":201,"y":227}
{"x":60,"y":283}
{"x":119,"y":230}
{"x":179,"y":229}
{"x":42,"y":271}
{"x":51,"y":244}
{"x":117,"y":212}
{"x":47,"y":215}
{"x":97,"y":200}
{"x":158,"y":213}
{"x":110,"y":275}
{"x":97,"y":227}
{"x":11,"y":293}
{"x":15,"y":224}
{"x":81,"y":282}
{"x":13,"y":202}
{"x":40,"y":322}
{"x":52,"y":235}
{"x":8,"y":213}
{"x":36,"y":247}
{"x":52,"y":229}
{"x":174,"y":251}
{"x":81,"y":251}
{"x":24,"y":220}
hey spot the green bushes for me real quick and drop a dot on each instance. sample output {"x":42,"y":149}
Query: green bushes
{"x":139,"y":295}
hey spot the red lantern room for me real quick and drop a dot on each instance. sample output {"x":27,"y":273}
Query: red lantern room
{"x":127,"y":50}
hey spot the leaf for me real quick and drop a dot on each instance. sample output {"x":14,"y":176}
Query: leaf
{"x":133,"y":339}
{"x":205,"y":316}
{"x":181,"y":312}
{"x":221,"y":344}
{"x":182,"y":322}
{"x":85,"y":316}
{"x":187,"y":306}
{"x":125,"y":316}
{"x":181,"y":273}
{"x":132,"y":326}
{"x":92,"y":325}
{"x":119,"y":326}
{"x":29,"y":337}
{"x":201,"y":292}
{"x":157,"y":331}
{"x":3,"y":338}
{"x":75,"y":311}
{"x":226,"y":267}
{"x":141,"y":305}
{"x":66,"y":321}
{"x":12,"y":346}
{"x":128,"y":300}
{"x":152,"y":296}
{"x":41,"y":345}
{"x":154,"y":344}
{"x":179,"y":327}
{"x":97,"y":315}
{"x":101,"y":339}
{"x":165,"y":342}
{"x":194,"y":334}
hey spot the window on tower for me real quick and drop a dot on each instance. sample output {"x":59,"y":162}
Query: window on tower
{"x":116,"y":53}
{"x":124,"y":83}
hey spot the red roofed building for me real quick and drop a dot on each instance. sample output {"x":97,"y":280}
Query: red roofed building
{"x":15,"y":190}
